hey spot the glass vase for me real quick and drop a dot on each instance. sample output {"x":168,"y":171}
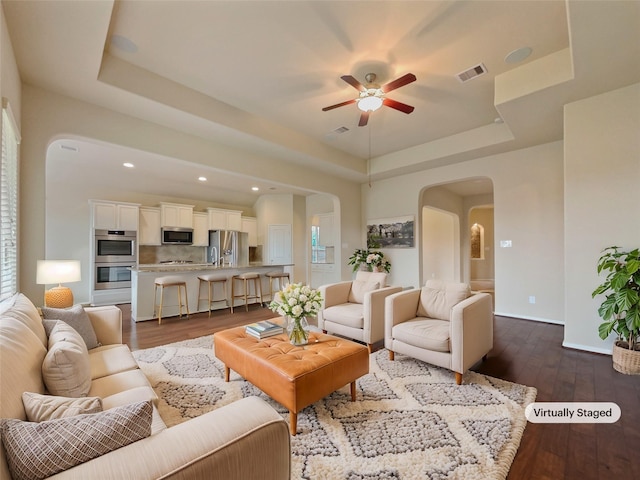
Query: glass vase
{"x":298,"y":330}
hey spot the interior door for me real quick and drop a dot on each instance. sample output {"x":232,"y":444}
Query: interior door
{"x":279,"y":244}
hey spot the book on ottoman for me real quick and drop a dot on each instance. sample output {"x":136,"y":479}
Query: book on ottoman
{"x":264,"y":329}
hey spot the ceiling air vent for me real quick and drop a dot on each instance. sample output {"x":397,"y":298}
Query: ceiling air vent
{"x":472,"y":72}
{"x":341,"y":130}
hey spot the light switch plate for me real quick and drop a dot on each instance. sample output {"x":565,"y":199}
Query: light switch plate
{"x":505,"y":243}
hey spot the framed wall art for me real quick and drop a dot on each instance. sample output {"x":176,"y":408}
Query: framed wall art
{"x":396,"y":232}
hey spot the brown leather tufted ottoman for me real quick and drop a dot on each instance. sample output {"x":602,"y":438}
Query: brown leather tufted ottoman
{"x":293,"y":376}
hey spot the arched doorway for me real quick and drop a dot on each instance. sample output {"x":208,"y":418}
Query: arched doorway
{"x":449,"y":212}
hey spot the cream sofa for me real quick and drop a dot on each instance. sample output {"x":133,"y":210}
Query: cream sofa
{"x":243,"y":440}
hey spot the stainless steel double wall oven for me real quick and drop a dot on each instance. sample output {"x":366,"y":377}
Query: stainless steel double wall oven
{"x":115,"y":252}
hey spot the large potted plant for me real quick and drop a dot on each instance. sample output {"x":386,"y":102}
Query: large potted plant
{"x":620,"y":310}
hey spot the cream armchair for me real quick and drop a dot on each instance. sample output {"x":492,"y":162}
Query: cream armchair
{"x":442,"y":324}
{"x":355,"y":309}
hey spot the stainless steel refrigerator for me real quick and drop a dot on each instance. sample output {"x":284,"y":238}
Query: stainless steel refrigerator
{"x":228,"y":248}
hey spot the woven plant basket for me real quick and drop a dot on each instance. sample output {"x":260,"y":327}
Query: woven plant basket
{"x":626,"y":361}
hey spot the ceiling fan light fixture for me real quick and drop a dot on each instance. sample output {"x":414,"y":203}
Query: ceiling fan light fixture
{"x":370,"y":103}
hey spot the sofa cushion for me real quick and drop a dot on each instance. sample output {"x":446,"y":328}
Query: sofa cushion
{"x":120,"y":383}
{"x":423,"y":333}
{"x":39,"y":450}
{"x":348,"y":314}
{"x":40,"y":408}
{"x":438,"y":298}
{"x":21,"y":308}
{"x":109,"y":359}
{"x":359,"y":288}
{"x":77,"y":318}
{"x":66,"y":370}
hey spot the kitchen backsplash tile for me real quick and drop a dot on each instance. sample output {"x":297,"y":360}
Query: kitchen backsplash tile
{"x":164,"y":253}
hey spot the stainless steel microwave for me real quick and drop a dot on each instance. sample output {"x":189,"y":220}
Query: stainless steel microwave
{"x":177,"y":236}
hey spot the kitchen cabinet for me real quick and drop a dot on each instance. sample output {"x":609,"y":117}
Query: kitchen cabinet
{"x":250,"y":225}
{"x":150,"y":225}
{"x":221,"y":219}
{"x":323,"y":274}
{"x":200,"y":229}
{"x":176,"y":215}
{"x":113,"y":215}
{"x":326,"y":233}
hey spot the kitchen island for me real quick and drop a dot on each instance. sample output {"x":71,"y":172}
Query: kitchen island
{"x":143,"y":278}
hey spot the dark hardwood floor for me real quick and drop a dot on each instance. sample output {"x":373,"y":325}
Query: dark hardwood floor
{"x":524,"y":352}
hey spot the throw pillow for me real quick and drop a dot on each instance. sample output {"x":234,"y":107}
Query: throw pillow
{"x":359,"y":288}
{"x":38,"y":450}
{"x":66,"y":370}
{"x":78,"y":319}
{"x":438,"y":298}
{"x":40,"y":408}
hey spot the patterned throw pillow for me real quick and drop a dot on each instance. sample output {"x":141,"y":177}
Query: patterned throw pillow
{"x":40,"y":408}
{"x":78,"y":319}
{"x":39,"y":450}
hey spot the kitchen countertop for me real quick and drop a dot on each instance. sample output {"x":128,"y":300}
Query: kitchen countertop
{"x":191,"y":267}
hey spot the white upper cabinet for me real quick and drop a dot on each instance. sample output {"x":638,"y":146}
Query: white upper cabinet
{"x":200,"y":229}
{"x":150,"y":226}
{"x":176,"y":215}
{"x":250,"y":225}
{"x":221,"y":219}
{"x":114,"y":216}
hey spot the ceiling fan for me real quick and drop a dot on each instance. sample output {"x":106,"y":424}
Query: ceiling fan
{"x":372,"y":96}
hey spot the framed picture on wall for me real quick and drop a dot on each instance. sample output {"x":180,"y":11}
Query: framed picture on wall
{"x":396,"y":232}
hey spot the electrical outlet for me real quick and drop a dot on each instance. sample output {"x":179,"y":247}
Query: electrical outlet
{"x":532,"y":299}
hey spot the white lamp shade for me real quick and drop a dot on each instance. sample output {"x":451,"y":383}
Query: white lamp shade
{"x":49,"y":272}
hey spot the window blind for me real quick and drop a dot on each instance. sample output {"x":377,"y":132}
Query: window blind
{"x":8,"y":205}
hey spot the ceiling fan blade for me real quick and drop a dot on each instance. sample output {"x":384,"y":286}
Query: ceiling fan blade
{"x":353,"y":82}
{"x":398,"y":82}
{"x":348,"y":102}
{"x":403,"y":107}
{"x":364,"y":118}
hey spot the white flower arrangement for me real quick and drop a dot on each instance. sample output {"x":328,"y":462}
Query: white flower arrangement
{"x":297,"y":301}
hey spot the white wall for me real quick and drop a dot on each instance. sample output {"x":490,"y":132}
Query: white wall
{"x":440,"y":245}
{"x":602,"y":198}
{"x":528,"y":206}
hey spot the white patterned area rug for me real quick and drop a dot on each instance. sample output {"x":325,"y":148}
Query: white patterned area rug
{"x":410,"y":420}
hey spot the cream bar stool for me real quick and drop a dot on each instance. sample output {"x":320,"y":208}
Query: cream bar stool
{"x":211,"y":281}
{"x":170,"y":281}
{"x":277,"y":277}
{"x":246,"y":279}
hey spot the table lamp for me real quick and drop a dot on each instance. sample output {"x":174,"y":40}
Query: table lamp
{"x":58,"y":271}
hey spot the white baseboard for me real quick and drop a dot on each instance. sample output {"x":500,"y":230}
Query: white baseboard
{"x":586,"y":348}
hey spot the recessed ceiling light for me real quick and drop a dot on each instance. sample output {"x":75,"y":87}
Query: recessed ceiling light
{"x":128,"y":165}
{"x":202,"y":179}
{"x":518,"y":55}
{"x":255,"y":189}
